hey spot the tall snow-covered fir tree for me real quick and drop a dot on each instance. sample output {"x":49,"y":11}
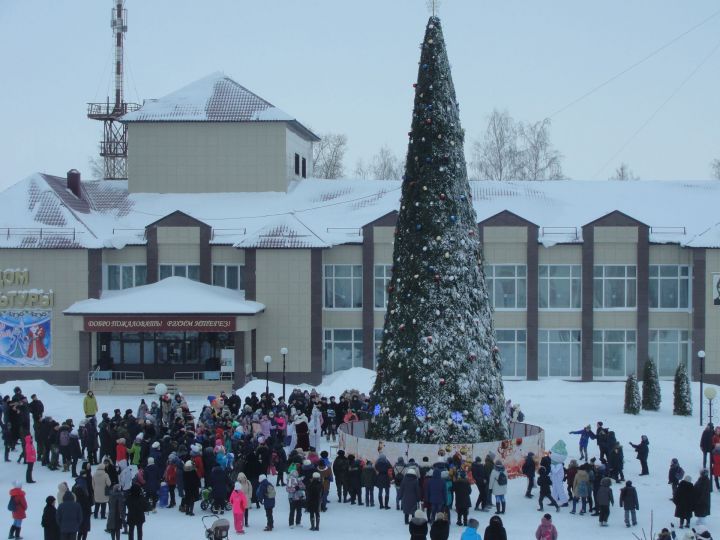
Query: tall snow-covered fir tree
{"x":438,"y":376}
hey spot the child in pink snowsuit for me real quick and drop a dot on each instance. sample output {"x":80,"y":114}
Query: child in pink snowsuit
{"x":239,"y":503}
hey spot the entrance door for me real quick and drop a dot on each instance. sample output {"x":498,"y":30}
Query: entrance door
{"x":170,"y":348}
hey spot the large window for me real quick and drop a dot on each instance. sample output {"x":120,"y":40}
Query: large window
{"x":377,"y":342}
{"x":513,"y":352}
{"x":342,"y":349}
{"x":668,"y":348}
{"x":383,"y":274}
{"x":343,"y":286}
{"x":559,"y":353}
{"x":125,"y":276}
{"x":669,"y":286}
{"x":229,"y":276}
{"x":614,"y":287}
{"x":559,"y":286}
{"x":614,"y":353}
{"x":190,"y":271}
{"x":194,"y":349}
{"x":507,"y":285}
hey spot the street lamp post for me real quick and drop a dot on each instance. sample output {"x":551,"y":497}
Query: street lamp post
{"x":701,"y":358}
{"x":710,"y":394}
{"x":267,"y":361}
{"x":284,"y":352}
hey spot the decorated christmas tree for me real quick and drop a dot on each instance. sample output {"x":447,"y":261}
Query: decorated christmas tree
{"x":438,"y":376}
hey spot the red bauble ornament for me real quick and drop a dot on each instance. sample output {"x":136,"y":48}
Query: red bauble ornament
{"x":472,"y":357}
{"x":414,"y":85}
{"x":442,"y":196}
{"x":402,"y":327}
{"x":518,"y":441}
{"x":428,"y":121}
{"x":437,"y":278}
{"x":442,"y":382}
{"x":429,"y":339}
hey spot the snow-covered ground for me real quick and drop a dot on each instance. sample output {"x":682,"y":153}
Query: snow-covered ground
{"x":558,"y":406}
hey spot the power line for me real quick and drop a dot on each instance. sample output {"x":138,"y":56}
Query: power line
{"x":636,"y":64}
{"x":675,"y":92}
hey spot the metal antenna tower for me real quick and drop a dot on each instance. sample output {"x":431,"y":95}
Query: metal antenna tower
{"x":114,"y":146}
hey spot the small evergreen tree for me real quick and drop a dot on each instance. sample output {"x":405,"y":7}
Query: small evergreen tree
{"x":632,"y":395}
{"x":650,"y":387}
{"x":682,"y":400}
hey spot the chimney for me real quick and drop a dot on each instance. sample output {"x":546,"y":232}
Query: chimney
{"x":73,"y":182}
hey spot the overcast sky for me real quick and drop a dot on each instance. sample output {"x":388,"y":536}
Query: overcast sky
{"x":348,"y":66}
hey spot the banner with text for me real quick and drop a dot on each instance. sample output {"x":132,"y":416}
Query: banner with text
{"x":159,"y":323}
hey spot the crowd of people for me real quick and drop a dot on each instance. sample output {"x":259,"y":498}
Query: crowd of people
{"x":233,"y":454}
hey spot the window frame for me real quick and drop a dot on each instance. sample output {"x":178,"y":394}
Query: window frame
{"x":297,"y":164}
{"x":626,"y":280}
{"x":626,"y":344}
{"x":354,"y":280}
{"x":386,"y":278}
{"x":240,"y":275}
{"x":518,"y":344}
{"x":654,"y":348}
{"x":546,"y":282}
{"x":173,"y":266}
{"x":659,"y":278}
{"x":356,"y":347}
{"x":491,"y":278}
{"x":121,"y":267}
{"x":575,"y":346}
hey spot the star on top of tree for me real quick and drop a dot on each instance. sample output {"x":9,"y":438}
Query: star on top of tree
{"x":433,"y":6}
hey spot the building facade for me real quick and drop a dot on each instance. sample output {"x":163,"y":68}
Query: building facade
{"x":221,"y":250}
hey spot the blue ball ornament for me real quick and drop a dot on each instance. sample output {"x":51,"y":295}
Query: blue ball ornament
{"x":418,"y":227}
{"x":453,"y":219}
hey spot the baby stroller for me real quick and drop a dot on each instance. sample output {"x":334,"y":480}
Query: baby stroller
{"x":206,"y":501}
{"x":218,"y":530}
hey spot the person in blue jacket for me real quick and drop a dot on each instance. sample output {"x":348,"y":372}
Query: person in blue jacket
{"x":471,"y":533}
{"x":265,"y":495}
{"x":151,"y":474}
{"x":436,"y":493}
{"x":585,"y":435}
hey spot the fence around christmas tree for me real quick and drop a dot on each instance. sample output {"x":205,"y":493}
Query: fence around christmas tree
{"x":524,"y":438}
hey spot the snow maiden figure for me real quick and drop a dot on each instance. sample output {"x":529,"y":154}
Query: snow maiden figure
{"x":558,"y":455}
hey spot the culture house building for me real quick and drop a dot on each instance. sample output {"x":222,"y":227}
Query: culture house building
{"x":220,"y":249}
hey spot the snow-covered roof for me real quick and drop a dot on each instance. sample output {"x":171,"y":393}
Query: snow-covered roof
{"x":173,"y":295}
{"x":40,"y":212}
{"x":215,"y":98}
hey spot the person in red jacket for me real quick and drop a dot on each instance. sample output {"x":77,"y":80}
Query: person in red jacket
{"x":19,"y":507}
{"x":121,"y":455}
{"x":30,"y":458}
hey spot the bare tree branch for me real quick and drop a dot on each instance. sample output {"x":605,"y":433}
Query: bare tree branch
{"x":328,"y":156}
{"x":512,"y":150}
{"x":386,"y":165}
{"x":715,"y":165}
{"x":624,"y":173}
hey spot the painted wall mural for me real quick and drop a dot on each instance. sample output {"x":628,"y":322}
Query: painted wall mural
{"x":25,"y":338}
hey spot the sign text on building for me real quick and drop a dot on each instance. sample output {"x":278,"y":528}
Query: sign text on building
{"x":23,"y":299}
{"x":159,"y":324}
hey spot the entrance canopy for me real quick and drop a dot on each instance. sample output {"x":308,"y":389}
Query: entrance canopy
{"x":173,"y":304}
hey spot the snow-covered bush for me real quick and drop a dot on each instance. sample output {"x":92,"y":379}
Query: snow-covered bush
{"x":650,"y":387}
{"x":632,"y":395}
{"x":682,"y":400}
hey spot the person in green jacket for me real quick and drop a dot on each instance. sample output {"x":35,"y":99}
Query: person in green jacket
{"x":134,"y":452}
{"x":90,"y":405}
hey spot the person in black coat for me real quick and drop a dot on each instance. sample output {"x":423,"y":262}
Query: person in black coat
{"x":643,"y":449}
{"x":528,"y":469}
{"x":440,"y":529}
{"x":152,"y":475}
{"x":340,"y":469}
{"x":51,"y":529}
{"x":701,"y":495}
{"x":191,"y":486}
{"x":684,"y":501}
{"x":478,"y":473}
{"x":136,"y":506}
{"x":83,"y":498}
{"x":706,"y":443}
{"x":461,"y":489}
{"x":495,"y":530}
{"x":313,"y":499}
{"x":418,"y":526}
{"x":219,"y":483}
